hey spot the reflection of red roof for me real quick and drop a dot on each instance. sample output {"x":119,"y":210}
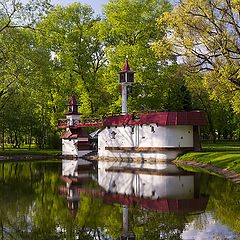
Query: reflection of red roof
{"x":75,"y":133}
{"x":165,"y":205}
{"x":73,"y":213}
{"x":160,"y":118}
{"x":82,"y":143}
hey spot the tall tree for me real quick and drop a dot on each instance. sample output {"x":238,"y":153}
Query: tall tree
{"x":205,"y":34}
{"x":15,"y":42}
{"x":72,"y":33}
{"x":129,"y":30}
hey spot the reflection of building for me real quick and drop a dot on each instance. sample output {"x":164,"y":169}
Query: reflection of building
{"x":158,"y":187}
{"x":75,"y":174}
{"x":155,"y":187}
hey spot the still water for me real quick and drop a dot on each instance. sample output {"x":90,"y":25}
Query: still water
{"x":78,"y":200}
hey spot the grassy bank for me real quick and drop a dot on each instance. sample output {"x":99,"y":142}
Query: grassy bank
{"x":31,"y":151}
{"x":222,"y":154}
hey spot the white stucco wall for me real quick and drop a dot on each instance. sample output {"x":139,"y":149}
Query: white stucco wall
{"x":145,"y":136}
{"x":153,"y":186}
{"x":68,"y":147}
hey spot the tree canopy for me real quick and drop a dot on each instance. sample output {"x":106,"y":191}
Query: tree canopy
{"x":205,"y":35}
{"x":48,"y":51}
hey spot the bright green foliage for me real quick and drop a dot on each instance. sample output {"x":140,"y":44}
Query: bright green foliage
{"x":129,"y":31}
{"x":72,"y":33}
{"x":49,"y":51}
{"x":205,"y":34}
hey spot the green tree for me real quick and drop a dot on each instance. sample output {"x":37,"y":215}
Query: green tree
{"x":205,"y":34}
{"x":73,"y":34}
{"x":129,"y":30}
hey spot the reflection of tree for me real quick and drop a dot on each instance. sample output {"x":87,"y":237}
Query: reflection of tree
{"x":31,"y":208}
{"x":199,"y":221}
{"x":224,"y":202}
{"x":157,"y":225}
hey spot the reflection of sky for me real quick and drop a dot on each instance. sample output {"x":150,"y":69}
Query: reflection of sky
{"x":212,"y":230}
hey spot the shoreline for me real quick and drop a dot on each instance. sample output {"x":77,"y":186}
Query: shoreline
{"x":229,"y":174}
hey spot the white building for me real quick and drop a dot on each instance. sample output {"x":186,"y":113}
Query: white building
{"x":74,"y":140}
{"x":160,"y":135}
{"x":139,"y":136}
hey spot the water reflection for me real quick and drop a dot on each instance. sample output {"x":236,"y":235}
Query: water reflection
{"x":161,"y":187}
{"x":75,"y":173}
{"x":62,"y":200}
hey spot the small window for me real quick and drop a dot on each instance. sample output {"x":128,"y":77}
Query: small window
{"x":113,"y":134}
{"x":132,"y":130}
{"x":152,"y":129}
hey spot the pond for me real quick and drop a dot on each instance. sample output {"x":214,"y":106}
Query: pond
{"x":72,"y":199}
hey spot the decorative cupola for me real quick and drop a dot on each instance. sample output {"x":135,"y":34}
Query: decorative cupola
{"x":73,"y":106}
{"x":72,"y":113}
{"x":126,"y":77}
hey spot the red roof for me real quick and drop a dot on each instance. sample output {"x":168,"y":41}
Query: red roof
{"x":160,"y":118}
{"x":75,"y":133}
{"x":126,"y":68}
{"x":73,"y":100}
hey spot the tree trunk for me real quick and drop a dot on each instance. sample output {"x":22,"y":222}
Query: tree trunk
{"x":3,"y":139}
{"x":16,"y":139}
{"x":30,"y":140}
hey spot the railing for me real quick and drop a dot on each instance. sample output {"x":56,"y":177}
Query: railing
{"x":99,"y":120}
{"x":81,"y":121}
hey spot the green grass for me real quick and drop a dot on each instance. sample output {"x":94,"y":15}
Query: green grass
{"x":26,"y":151}
{"x":195,"y":169}
{"x":222,"y":154}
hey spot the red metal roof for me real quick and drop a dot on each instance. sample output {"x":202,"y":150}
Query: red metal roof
{"x":126,"y":68}
{"x":160,"y":118}
{"x":75,"y":133}
{"x":73,"y":100}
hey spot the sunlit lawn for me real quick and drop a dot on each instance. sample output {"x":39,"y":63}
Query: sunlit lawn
{"x":24,"y":150}
{"x":222,"y":154}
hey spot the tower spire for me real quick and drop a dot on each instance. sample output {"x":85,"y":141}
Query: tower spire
{"x":126,"y":77}
{"x":73,"y":106}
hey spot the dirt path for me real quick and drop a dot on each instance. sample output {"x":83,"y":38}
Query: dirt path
{"x":232,"y":175}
